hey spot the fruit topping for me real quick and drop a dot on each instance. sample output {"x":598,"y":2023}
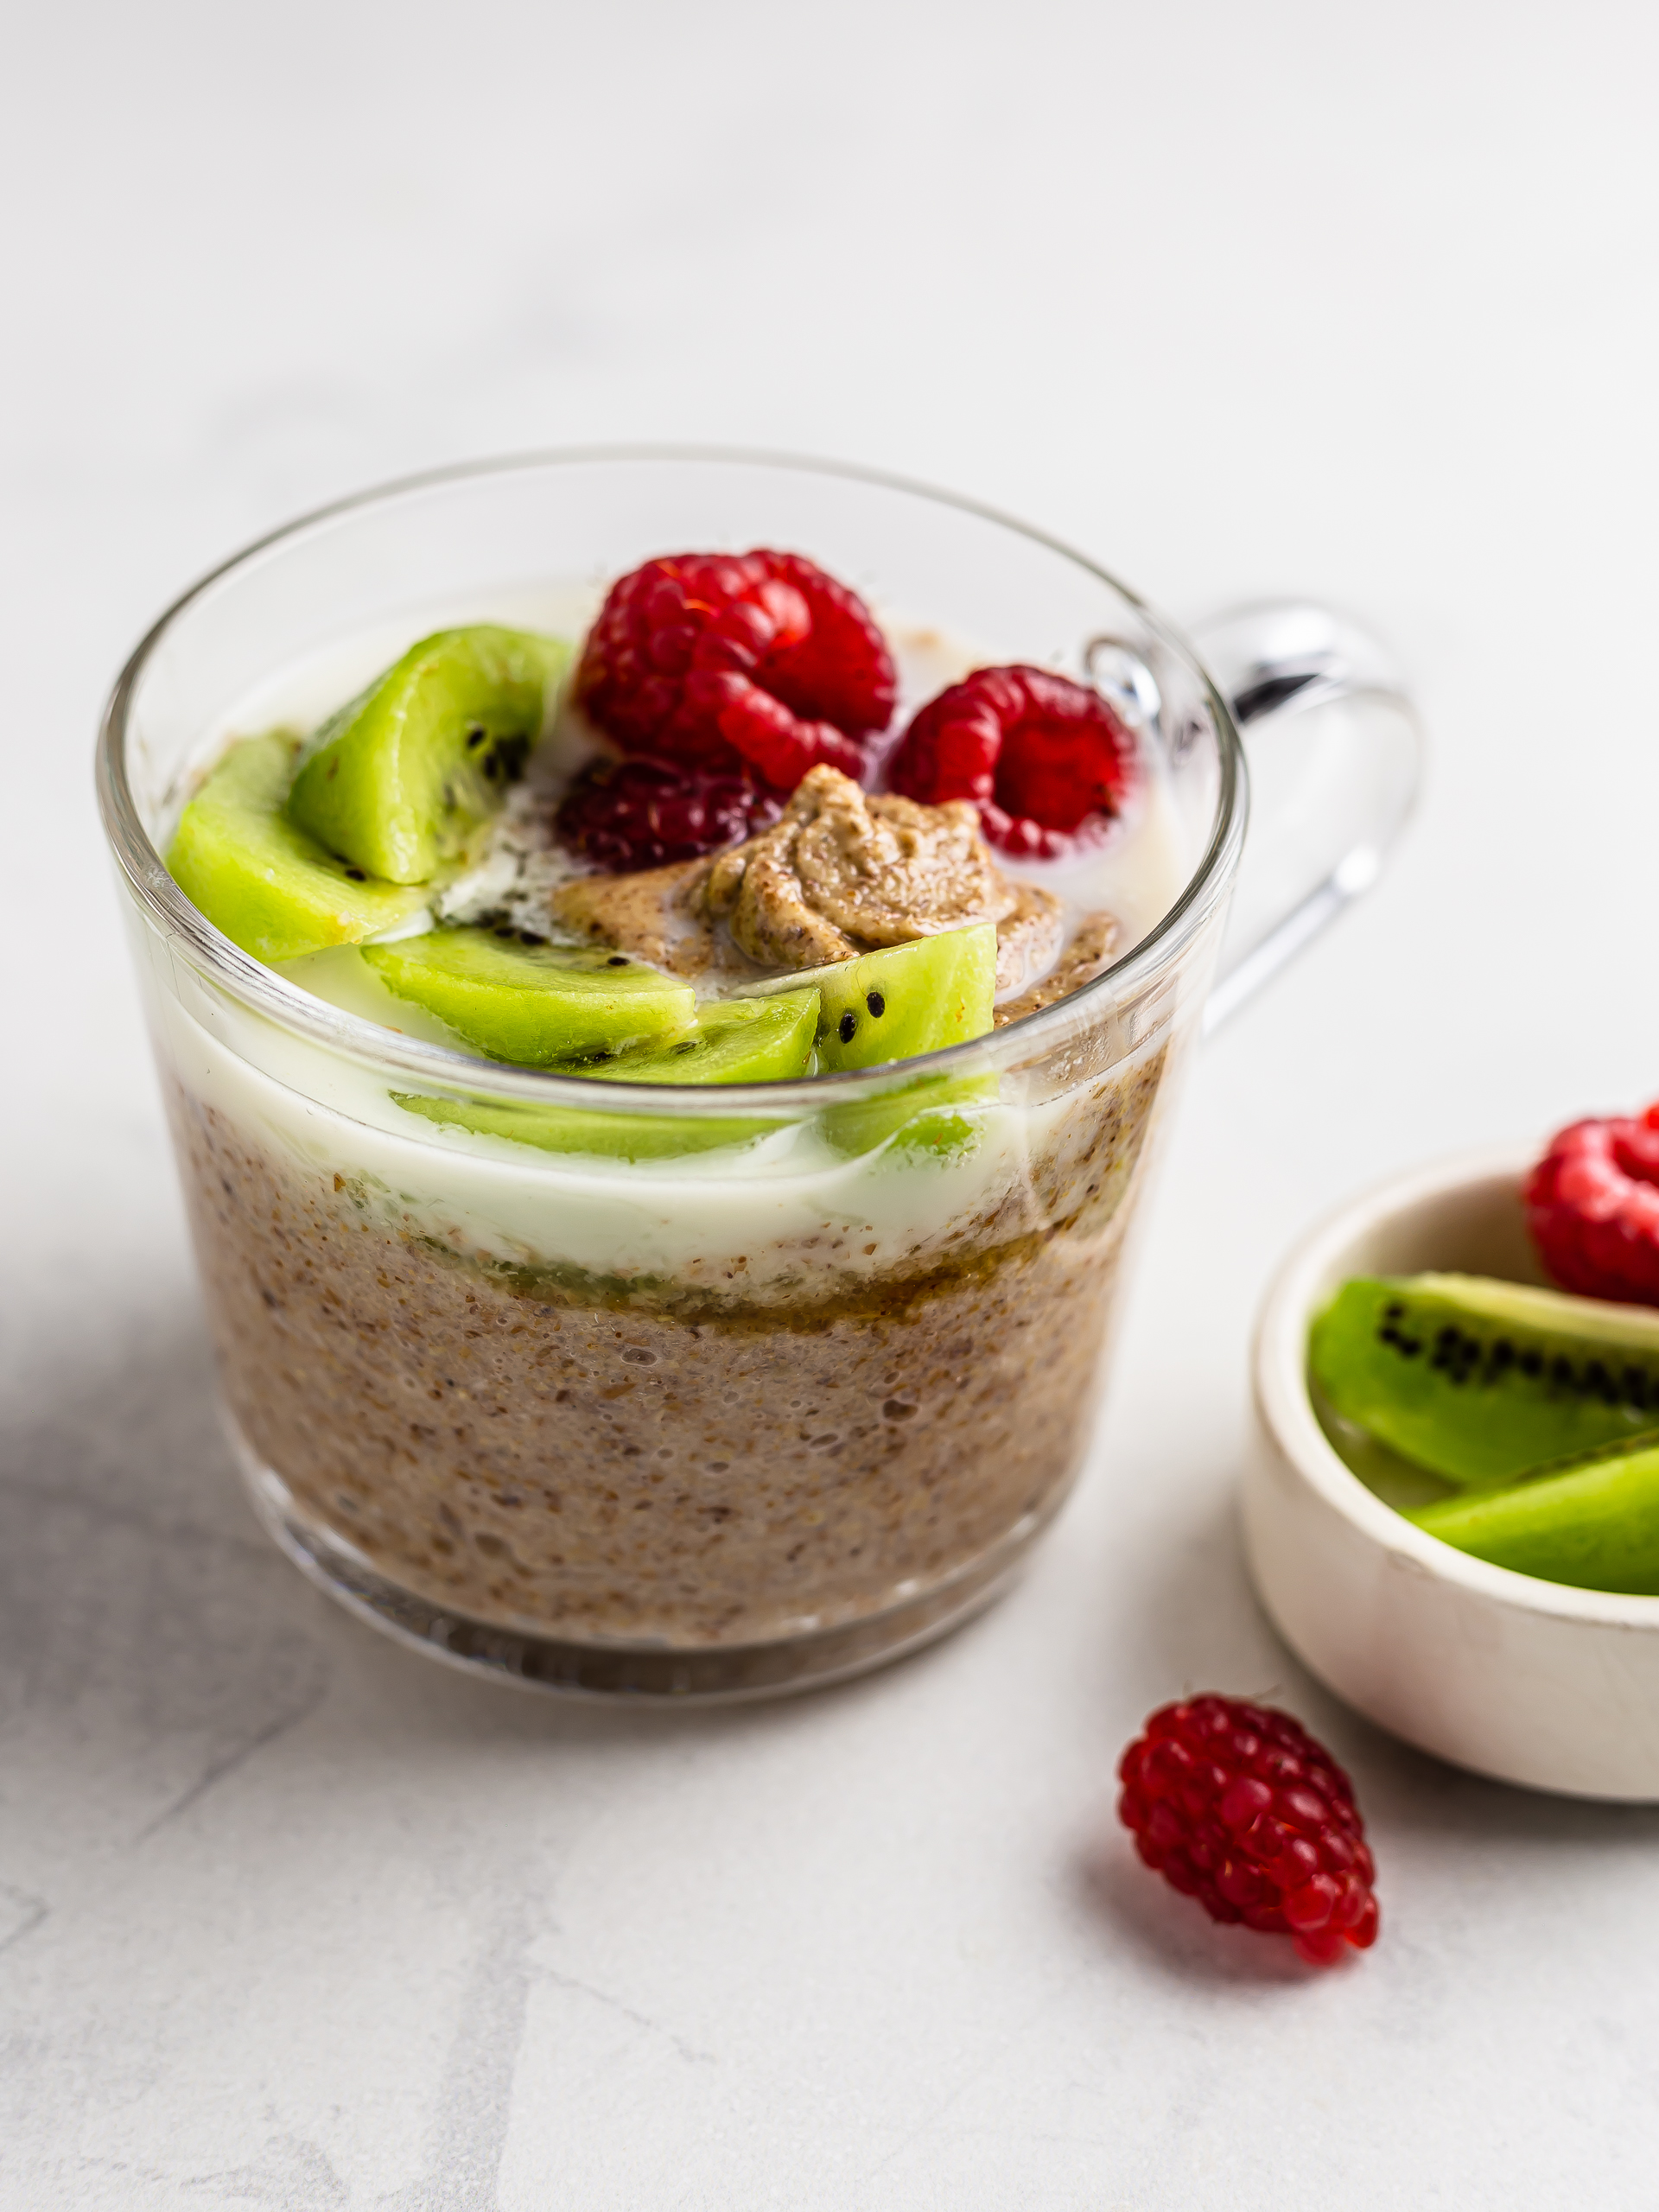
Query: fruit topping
{"x":931,"y":1117}
{"x":632,"y":814}
{"x":1045,"y":760}
{"x":906,"y":998}
{"x":609,"y":1135}
{"x":1482,"y":1381}
{"x":715,"y":658}
{"x":1593,"y":1523}
{"x":842,"y":871}
{"x":1593,"y":1207}
{"x":533,"y":1004}
{"x":891,"y":1005}
{"x":403,"y":776}
{"x":1238,"y":1806}
{"x":733,"y":1040}
{"x":269,"y":886}
{"x":737,"y":1040}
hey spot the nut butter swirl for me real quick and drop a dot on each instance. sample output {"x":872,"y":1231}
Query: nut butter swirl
{"x":843,"y":872}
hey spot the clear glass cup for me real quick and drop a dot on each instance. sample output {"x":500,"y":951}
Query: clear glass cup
{"x":782,"y":1380}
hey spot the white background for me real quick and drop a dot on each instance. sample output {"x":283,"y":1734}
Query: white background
{"x":1357,"y":300}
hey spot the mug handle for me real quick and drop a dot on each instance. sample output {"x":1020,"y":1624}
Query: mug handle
{"x":1335,"y":751}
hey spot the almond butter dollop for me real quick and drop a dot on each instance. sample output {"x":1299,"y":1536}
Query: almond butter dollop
{"x":843,"y":872}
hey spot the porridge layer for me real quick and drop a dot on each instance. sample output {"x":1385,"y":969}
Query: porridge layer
{"x":652,"y":1459}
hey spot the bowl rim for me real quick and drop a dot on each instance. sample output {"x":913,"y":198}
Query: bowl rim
{"x":1278,"y":1374}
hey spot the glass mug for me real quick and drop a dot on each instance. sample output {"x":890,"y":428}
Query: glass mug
{"x":763,"y":1383}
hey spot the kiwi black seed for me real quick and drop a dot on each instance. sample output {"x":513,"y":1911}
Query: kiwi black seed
{"x":847,"y":1026}
{"x":876,"y":1003}
{"x":356,"y":875}
{"x":475,"y":739}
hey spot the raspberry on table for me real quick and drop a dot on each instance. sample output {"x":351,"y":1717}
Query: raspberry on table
{"x":1236,"y":1805}
{"x":639,"y":813}
{"x":1592,"y":1207}
{"x":1045,"y":760}
{"x":718,"y":659}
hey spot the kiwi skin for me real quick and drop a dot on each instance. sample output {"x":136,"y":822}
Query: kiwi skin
{"x":1480,"y":1380}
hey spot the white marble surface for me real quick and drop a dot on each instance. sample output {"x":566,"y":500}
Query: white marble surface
{"x":1281,"y":297}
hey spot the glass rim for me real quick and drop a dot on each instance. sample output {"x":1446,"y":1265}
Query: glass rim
{"x":316,"y":1020}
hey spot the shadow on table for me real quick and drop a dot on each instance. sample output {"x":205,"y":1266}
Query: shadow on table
{"x":138,"y":1595}
{"x":1146,"y":1916}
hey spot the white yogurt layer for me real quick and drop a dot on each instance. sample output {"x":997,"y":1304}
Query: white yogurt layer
{"x":784,"y":1208}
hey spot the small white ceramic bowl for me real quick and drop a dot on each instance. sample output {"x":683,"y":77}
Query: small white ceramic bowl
{"x":1526,"y":1680}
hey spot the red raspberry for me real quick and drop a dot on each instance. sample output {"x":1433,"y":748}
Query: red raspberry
{"x":1593,"y":1207}
{"x":633,"y":813}
{"x":1044,"y":758}
{"x":715,"y":658}
{"x":1238,"y":1806}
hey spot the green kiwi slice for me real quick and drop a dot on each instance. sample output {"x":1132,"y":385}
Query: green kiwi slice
{"x":739,"y":1041}
{"x":271,"y":887}
{"x":733,"y":1040}
{"x":906,"y":998}
{"x":403,"y":776}
{"x":1480,"y":1380}
{"x":1593,"y":1523}
{"x":931,"y":1119}
{"x":891,"y":1005}
{"x":533,"y":1004}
